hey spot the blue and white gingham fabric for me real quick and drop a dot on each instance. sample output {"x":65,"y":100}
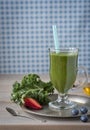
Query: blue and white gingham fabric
{"x":26,"y":32}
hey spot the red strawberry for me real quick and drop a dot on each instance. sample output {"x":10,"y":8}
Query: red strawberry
{"x":32,"y":103}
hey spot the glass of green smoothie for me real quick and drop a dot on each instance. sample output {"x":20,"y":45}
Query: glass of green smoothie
{"x":63,"y":73}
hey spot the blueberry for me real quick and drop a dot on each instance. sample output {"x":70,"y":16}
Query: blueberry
{"x":75,"y":111}
{"x":83,"y":110}
{"x":84,"y":118}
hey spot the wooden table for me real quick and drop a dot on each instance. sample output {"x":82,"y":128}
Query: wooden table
{"x":8,"y":122}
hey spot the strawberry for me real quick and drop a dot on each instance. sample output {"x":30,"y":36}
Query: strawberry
{"x":32,"y":103}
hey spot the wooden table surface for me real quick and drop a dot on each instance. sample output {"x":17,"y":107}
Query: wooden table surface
{"x":8,"y":122}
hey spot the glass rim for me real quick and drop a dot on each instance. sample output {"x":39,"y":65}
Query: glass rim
{"x":64,"y":49}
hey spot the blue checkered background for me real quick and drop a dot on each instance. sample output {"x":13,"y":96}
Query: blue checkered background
{"x":26,"y":32}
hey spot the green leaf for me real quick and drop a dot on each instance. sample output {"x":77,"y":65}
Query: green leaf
{"x":32,"y":86}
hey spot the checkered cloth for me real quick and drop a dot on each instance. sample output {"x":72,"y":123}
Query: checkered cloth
{"x":26,"y":32}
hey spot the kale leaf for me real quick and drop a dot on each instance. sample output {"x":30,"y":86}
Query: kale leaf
{"x":32,"y":86}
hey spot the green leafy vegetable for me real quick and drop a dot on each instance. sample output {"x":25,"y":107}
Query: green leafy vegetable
{"x":32,"y":86}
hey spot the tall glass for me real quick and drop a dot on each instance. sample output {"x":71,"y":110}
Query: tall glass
{"x":63,"y":73}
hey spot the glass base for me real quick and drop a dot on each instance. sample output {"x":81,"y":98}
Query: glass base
{"x":61,"y":104}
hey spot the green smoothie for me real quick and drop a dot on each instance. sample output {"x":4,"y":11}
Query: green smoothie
{"x":63,"y":70}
